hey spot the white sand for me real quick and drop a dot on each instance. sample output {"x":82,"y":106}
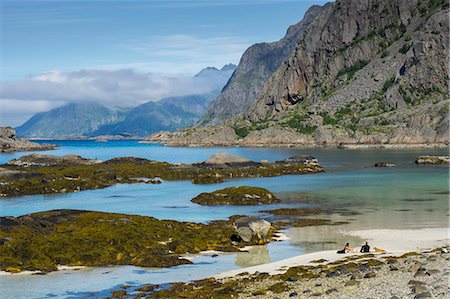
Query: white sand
{"x":394,"y":241}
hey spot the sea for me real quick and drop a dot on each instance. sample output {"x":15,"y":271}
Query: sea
{"x":407,"y":196}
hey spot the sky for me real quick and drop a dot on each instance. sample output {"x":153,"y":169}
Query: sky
{"x":124,"y":53}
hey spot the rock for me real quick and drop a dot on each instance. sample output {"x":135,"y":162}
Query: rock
{"x":292,"y":278}
{"x":415,"y":267}
{"x":329,"y":291}
{"x":352,"y":283}
{"x":370,"y":275}
{"x":243,"y":195}
{"x":384,"y":164}
{"x":421,"y":273}
{"x":225,"y":160}
{"x":293,"y":294}
{"x":247,"y":227}
{"x":433,"y":272}
{"x":9,"y":142}
{"x":419,"y":288}
{"x":208,"y":178}
{"x":432,"y":160}
{"x":332,"y":274}
{"x":393,"y":268}
{"x":423,"y":295}
{"x":51,"y":160}
{"x":299,"y":160}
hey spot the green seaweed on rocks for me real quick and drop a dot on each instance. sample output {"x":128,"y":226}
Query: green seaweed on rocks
{"x":42,"y":241}
{"x":243,"y":195}
{"x":71,"y":178}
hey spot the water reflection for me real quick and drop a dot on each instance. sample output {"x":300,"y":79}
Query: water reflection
{"x":256,"y":255}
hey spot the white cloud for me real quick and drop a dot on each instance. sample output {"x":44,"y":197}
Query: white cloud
{"x":20,"y":99}
{"x":183,"y":53}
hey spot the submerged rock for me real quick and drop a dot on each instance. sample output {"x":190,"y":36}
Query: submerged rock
{"x":243,"y":195}
{"x":51,"y":160}
{"x":432,"y":160}
{"x":247,"y":227}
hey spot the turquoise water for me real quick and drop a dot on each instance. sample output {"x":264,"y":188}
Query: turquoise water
{"x":408,"y":196}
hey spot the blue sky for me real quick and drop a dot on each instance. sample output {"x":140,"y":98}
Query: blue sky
{"x":164,"y":38}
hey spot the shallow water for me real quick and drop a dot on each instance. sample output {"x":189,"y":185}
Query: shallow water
{"x":408,"y":196}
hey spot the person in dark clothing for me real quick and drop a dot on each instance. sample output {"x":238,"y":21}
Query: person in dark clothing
{"x":365,"y":248}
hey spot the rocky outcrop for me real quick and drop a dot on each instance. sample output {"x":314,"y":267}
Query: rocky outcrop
{"x":364,"y":72}
{"x":241,"y":196}
{"x":257,"y":64}
{"x":225,"y":160}
{"x":9,"y":142}
{"x":51,"y":160}
{"x":432,"y":160}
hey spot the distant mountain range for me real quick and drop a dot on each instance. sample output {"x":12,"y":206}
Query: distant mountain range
{"x":93,"y":119}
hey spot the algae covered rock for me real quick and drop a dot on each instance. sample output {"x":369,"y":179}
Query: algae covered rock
{"x":41,"y":241}
{"x":208,"y":178}
{"x":244,"y":195}
{"x":247,"y":227}
{"x":51,"y":160}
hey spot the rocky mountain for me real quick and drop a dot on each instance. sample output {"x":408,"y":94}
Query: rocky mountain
{"x":93,"y":119}
{"x":257,"y":64}
{"x":167,"y":114}
{"x":363,"y":72}
{"x":71,"y":120}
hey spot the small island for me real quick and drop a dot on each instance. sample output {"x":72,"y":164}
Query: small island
{"x":243,"y":196}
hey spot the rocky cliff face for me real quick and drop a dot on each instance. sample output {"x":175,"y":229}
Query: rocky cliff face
{"x":10,"y":143}
{"x":257,"y":64}
{"x":371,"y":71}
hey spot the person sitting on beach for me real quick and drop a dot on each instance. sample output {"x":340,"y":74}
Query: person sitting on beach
{"x":349,"y":249}
{"x":365,"y":248}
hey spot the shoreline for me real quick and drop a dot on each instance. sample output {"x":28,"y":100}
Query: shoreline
{"x":395,"y":241}
{"x":301,"y":146}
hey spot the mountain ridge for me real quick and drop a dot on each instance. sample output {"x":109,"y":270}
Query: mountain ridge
{"x":364,"y":72}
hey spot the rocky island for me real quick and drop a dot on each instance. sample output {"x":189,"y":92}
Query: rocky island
{"x":9,"y":142}
{"x":44,"y":174}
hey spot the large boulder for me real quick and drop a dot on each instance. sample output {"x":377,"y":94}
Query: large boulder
{"x":51,"y":160}
{"x":225,"y":160}
{"x":247,"y":227}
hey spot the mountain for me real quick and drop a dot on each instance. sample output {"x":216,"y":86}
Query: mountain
{"x":257,"y":64}
{"x":362,"y":72}
{"x":167,"y":114}
{"x":93,"y":119}
{"x":74,"y":119}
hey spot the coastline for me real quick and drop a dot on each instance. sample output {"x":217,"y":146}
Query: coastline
{"x":396,"y":242}
{"x":301,"y":146}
